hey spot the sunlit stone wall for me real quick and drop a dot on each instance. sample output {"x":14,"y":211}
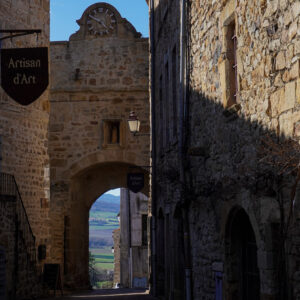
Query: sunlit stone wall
{"x":24,"y":138}
{"x":96,"y":80}
{"x":24,"y":129}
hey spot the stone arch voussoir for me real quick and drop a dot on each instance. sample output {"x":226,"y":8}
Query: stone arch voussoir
{"x":99,"y":158}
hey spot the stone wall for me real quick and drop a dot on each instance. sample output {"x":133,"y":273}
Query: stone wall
{"x":116,"y":239}
{"x":96,"y":81}
{"x":24,"y":129}
{"x":24,"y":154}
{"x":21,"y":277}
{"x":222,"y":171}
{"x":132,"y":207}
{"x":267,"y":104}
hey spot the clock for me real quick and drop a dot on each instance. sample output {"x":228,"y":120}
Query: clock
{"x":101,"y":21}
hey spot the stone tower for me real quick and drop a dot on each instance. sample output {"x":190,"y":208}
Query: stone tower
{"x":97,"y":78}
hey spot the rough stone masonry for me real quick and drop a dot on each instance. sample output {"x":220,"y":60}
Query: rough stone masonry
{"x":97,"y":78}
{"x":242,"y":86}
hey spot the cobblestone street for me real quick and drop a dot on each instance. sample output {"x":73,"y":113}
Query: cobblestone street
{"x":123,"y":294}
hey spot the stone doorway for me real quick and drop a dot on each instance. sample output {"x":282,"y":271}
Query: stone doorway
{"x":242,"y":273}
{"x":85,"y":188}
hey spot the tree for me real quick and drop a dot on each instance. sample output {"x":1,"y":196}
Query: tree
{"x":92,"y":269}
{"x":282,"y":157}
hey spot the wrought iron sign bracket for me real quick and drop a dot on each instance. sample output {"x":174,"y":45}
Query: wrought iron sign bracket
{"x":18,"y":32}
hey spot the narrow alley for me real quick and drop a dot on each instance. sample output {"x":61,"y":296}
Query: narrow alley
{"x":109,"y":294}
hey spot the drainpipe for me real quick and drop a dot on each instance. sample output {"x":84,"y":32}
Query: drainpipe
{"x":182,"y":138}
{"x":153,"y":153}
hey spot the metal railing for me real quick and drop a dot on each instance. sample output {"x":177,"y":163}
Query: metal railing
{"x":9,"y":187}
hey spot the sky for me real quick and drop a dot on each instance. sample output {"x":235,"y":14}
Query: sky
{"x":64,"y":13}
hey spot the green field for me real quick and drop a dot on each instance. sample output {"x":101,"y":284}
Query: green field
{"x":104,"y":258}
{"x":104,"y":266}
{"x":103,"y":221}
{"x":104,"y":227}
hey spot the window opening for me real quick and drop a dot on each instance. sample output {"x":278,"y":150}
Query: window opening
{"x":167,"y":121}
{"x":114,"y":132}
{"x":174,"y":90}
{"x":232,"y":57}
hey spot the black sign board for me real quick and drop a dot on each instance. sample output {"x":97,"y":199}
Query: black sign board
{"x":24,"y":73}
{"x":135,"y":182}
{"x":51,"y":277}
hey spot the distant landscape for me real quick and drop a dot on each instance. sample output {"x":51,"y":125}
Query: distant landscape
{"x":103,"y":220}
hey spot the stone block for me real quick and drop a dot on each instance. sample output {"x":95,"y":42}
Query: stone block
{"x":298,"y":91}
{"x":296,"y":9}
{"x":294,"y":71}
{"x":58,"y":162}
{"x":288,"y":102}
{"x":280,"y":60}
{"x":56,"y":127}
{"x":297,"y":130}
{"x":286,"y":124}
{"x":297,"y":47}
{"x":293,"y":30}
{"x":275,"y":99}
{"x":271,"y":8}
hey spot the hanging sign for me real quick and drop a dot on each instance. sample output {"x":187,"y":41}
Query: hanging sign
{"x":24,"y":73}
{"x":135,"y":181}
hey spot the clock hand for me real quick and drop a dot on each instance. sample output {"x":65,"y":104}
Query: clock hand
{"x":98,"y":20}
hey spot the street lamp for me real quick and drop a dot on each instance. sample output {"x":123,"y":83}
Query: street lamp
{"x":134,"y":125}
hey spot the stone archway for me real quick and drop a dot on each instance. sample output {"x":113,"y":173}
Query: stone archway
{"x":96,"y":80}
{"x":85,"y":188}
{"x":241,"y":267}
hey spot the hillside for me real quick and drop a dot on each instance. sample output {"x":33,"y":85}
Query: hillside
{"x":106,"y":203}
{"x":103,"y":220}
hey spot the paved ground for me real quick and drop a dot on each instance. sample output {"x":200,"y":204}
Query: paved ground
{"x":123,"y":294}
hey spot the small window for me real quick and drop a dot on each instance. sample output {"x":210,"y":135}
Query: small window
{"x":112,"y":133}
{"x":174,"y":90}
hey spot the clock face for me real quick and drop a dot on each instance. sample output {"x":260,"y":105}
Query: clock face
{"x":101,"y":21}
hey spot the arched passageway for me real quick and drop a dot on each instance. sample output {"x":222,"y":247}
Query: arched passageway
{"x":242,"y":273}
{"x":85,"y":188}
